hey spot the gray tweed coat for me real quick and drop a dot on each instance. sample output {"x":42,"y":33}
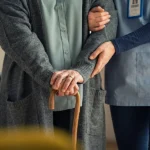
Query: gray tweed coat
{"x":27,"y":71}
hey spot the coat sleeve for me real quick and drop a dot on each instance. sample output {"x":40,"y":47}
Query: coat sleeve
{"x":21,"y":44}
{"x":85,"y":66}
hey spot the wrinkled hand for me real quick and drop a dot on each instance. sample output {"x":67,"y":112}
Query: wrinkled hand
{"x":66,"y":82}
{"x":104,"y":54}
{"x":97,"y":19}
{"x":72,"y":92}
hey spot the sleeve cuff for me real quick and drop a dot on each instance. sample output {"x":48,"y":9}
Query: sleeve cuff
{"x":114,"y":42}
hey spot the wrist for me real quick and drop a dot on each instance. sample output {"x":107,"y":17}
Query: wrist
{"x":80,"y":77}
{"x":116,"y":46}
{"x":112,"y":47}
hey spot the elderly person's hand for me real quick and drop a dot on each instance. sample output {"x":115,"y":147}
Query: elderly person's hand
{"x":104,"y":54}
{"x":98,"y":18}
{"x":66,"y":82}
{"x":72,"y":91}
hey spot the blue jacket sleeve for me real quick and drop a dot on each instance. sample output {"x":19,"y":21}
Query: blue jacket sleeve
{"x":132,"y":40}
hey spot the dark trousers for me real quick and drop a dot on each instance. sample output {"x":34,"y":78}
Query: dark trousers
{"x":132,"y":127}
{"x":62,"y":120}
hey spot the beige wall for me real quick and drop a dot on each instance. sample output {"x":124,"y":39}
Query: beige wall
{"x":109,"y":127}
{"x":110,"y":133}
{"x":1,"y":59}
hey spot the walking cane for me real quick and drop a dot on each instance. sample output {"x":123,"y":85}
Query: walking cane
{"x":76,"y":115}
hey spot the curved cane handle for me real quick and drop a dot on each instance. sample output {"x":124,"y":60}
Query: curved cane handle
{"x":76,"y":115}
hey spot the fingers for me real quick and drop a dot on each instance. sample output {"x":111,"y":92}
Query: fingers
{"x":55,"y":76}
{"x":107,"y":51}
{"x":73,"y":91}
{"x":67,"y":83}
{"x":60,"y":93}
{"x":70,"y":83}
{"x":97,"y":9}
{"x":97,"y":21}
{"x":99,"y":25}
{"x":98,"y":67}
{"x":59,"y":79}
{"x":103,"y":23}
{"x":103,"y":20}
{"x":102,"y":15}
{"x":96,"y":53}
{"x":97,"y":28}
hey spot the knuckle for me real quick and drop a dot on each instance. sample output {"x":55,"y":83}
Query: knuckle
{"x":75,"y":81}
{"x":55,"y":73}
{"x":102,"y":18}
{"x":101,"y":14}
{"x":59,"y":76}
{"x":100,"y":23}
{"x":67,"y":82}
{"x":90,"y":16}
{"x":93,"y":29}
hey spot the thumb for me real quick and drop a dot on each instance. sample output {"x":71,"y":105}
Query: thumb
{"x":96,"y":53}
{"x":97,"y":9}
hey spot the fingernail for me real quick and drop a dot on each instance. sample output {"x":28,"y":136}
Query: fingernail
{"x":91,"y":57}
{"x":93,"y":75}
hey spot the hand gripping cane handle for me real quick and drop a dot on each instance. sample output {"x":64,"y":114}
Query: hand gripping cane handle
{"x":76,"y":115}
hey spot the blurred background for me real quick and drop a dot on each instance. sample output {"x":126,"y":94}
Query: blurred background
{"x":109,"y":128}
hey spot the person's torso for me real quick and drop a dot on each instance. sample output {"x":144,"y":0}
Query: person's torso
{"x":128,"y":25}
{"x":62,"y":20}
{"x":128,"y":74}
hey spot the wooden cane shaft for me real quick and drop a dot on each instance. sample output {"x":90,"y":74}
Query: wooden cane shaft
{"x":76,"y":122}
{"x":76,"y":115}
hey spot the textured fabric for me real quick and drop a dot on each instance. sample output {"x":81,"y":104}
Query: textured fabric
{"x":133,"y":39}
{"x":62,"y":21}
{"x":128,"y":74}
{"x":132,"y":126}
{"x":26,"y":74}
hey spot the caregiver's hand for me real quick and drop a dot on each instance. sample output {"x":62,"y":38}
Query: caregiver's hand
{"x":104,"y":54}
{"x":98,"y":18}
{"x":65,"y":80}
